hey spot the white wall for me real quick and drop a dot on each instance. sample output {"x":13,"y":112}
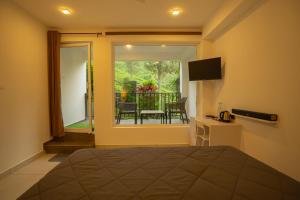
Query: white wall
{"x":73,"y":83}
{"x":262,"y":68}
{"x":188,"y":88}
{"x":192,"y":99}
{"x":24,"y":121}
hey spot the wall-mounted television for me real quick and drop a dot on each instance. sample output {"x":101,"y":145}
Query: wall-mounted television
{"x":207,"y":69}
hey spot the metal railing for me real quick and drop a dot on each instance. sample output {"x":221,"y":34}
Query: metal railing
{"x":147,"y":100}
{"x":144,"y":100}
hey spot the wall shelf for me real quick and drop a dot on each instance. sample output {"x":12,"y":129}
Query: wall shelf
{"x":255,"y":119}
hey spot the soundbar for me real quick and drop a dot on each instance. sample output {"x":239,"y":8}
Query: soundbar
{"x":256,"y":115}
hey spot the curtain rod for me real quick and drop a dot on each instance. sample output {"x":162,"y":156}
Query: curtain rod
{"x":138,"y":33}
{"x":153,"y":33}
{"x":94,"y":33}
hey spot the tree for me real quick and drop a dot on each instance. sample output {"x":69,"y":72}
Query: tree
{"x":165,"y":74}
{"x":161,"y":68}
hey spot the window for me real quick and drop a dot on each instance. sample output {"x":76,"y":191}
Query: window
{"x":151,"y":84}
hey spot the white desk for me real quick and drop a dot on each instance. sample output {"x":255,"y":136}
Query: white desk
{"x":219,"y":133}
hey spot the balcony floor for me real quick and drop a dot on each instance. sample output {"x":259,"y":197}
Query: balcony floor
{"x":148,"y":121}
{"x":81,"y":124}
{"x":85,"y":123}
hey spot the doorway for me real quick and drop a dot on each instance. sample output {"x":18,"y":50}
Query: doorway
{"x":77,"y":87}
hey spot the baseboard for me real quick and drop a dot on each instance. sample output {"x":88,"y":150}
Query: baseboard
{"x":133,"y":146}
{"x":20,"y":164}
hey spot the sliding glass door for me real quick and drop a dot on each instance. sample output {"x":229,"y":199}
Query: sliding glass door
{"x":76,"y":87}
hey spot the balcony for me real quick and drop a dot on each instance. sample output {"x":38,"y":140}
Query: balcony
{"x":159,"y":107}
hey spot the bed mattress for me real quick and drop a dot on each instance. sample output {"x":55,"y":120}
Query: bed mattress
{"x":220,"y":173}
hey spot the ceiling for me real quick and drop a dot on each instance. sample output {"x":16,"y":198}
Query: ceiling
{"x":116,"y":14}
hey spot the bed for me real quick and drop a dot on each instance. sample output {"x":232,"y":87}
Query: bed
{"x":163,"y":173}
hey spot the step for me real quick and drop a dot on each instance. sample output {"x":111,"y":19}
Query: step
{"x":70,"y":143}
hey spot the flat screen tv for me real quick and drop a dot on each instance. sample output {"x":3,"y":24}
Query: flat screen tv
{"x":208,"y":69}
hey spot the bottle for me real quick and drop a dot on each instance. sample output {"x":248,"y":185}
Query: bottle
{"x":220,"y":109}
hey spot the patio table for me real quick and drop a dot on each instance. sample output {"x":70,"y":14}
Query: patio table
{"x":153,"y":112}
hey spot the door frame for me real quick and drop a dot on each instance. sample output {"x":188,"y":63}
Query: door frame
{"x":89,"y":88}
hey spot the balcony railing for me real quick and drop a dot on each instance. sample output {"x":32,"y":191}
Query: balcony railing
{"x":147,"y":101}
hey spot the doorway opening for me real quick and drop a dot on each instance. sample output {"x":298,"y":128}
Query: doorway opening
{"x":77,"y":87}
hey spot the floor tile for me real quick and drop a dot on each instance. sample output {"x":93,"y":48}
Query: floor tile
{"x":15,"y":184}
{"x":12,"y":186}
{"x":38,"y":166}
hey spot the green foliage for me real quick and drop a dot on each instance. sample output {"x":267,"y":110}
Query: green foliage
{"x":163,"y":74}
{"x":80,"y":124}
{"x":150,"y":82}
{"x":129,"y":87}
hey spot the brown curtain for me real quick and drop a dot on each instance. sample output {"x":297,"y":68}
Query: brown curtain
{"x":56,"y":119}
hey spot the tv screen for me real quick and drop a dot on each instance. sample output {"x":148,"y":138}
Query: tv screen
{"x":208,"y":69}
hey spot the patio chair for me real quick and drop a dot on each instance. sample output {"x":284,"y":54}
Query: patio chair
{"x":177,"y":108}
{"x":126,"y":108}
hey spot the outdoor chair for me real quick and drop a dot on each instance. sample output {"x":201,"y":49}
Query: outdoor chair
{"x":127,"y":108}
{"x":177,"y":108}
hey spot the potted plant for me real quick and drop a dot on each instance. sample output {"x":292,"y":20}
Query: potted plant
{"x":147,"y":94}
{"x":148,"y":86}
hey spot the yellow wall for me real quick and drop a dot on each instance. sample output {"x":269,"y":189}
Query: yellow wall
{"x":262,"y":69}
{"x":23,"y":86}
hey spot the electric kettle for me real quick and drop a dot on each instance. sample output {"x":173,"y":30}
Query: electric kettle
{"x":225,"y":116}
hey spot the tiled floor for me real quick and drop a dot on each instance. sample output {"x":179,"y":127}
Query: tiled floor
{"x":15,"y":184}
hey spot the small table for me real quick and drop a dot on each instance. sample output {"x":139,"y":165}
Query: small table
{"x":219,"y":133}
{"x":153,"y":112}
